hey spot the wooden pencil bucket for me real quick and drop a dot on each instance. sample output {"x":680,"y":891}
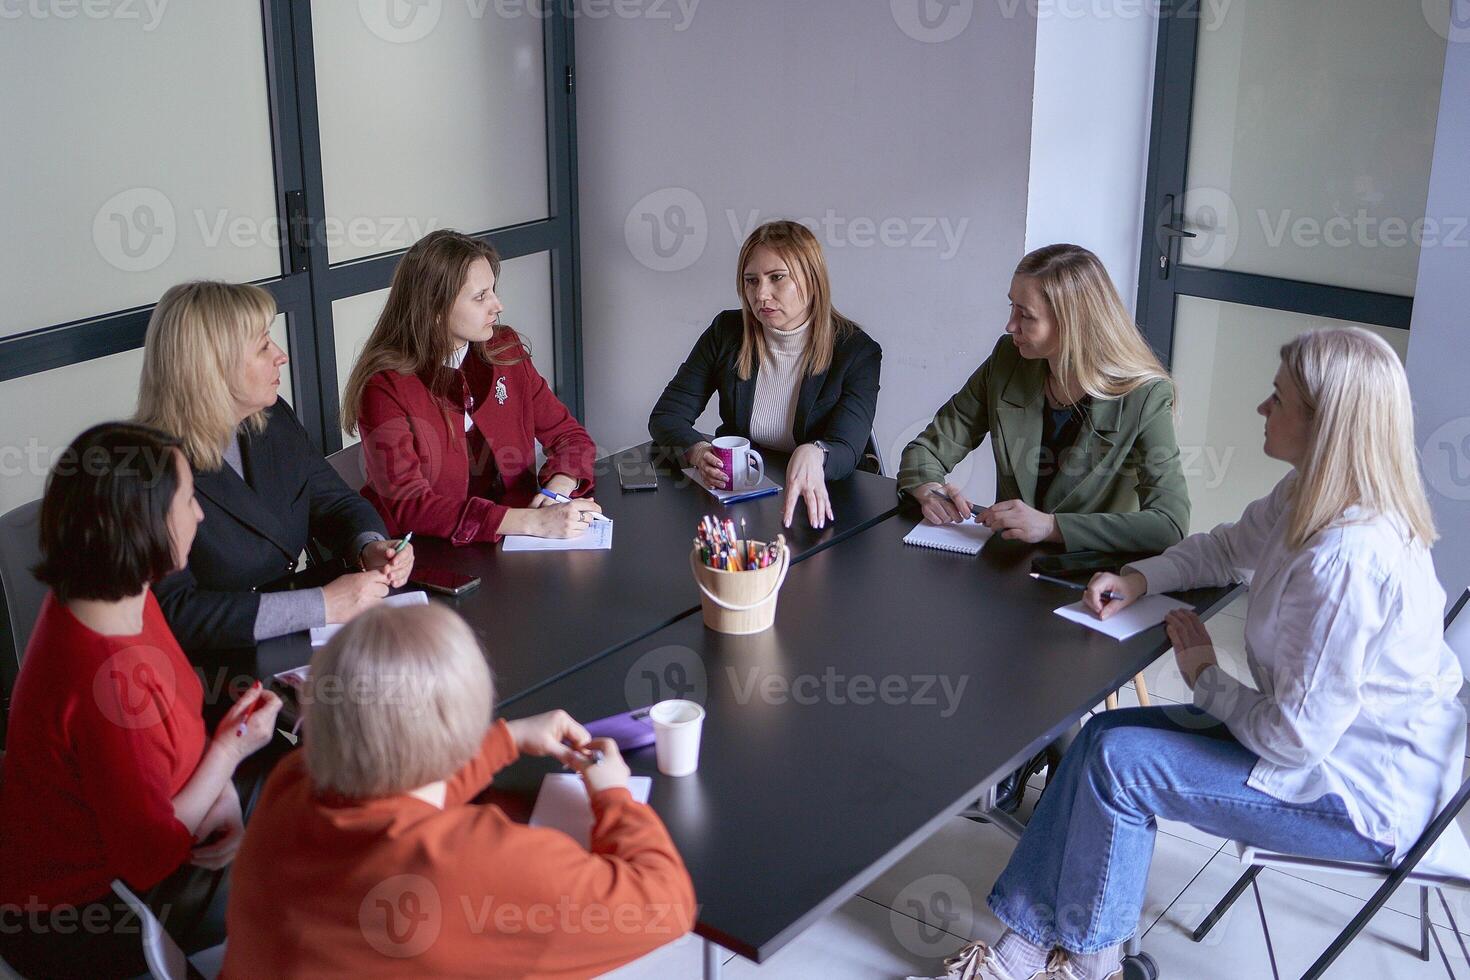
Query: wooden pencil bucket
{"x":741,"y":602}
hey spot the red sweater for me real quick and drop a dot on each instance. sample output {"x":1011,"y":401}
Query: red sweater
{"x":396,"y":887}
{"x":426,"y":474}
{"x":104,"y":732}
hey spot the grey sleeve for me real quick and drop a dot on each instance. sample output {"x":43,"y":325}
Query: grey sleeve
{"x":360,"y":542}
{"x":290,"y":612}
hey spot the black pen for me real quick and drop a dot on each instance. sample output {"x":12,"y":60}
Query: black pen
{"x":1072,"y":585}
{"x":974,"y":510}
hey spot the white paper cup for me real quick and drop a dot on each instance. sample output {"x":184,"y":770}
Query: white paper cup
{"x":676,"y":729}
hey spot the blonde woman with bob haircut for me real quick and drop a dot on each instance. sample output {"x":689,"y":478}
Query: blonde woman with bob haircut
{"x":1349,"y":736}
{"x":377,"y":816}
{"x":792,"y":373}
{"x":210,"y":379}
{"x":1080,"y":415}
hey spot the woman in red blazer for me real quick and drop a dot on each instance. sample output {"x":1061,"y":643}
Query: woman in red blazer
{"x":450,"y":409}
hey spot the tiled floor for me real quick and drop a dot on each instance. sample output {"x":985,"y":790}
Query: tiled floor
{"x":908,"y":919}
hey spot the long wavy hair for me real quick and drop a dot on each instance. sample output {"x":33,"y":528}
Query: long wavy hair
{"x":1361,"y":445}
{"x":1101,"y":350}
{"x":802,"y":253}
{"x":412,"y":333}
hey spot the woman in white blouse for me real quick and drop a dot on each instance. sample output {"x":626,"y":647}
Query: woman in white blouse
{"x":1347,"y":738}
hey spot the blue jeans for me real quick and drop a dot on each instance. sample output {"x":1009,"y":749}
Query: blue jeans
{"x":1076,"y":879}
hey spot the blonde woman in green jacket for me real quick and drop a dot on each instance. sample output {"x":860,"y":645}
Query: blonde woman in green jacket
{"x":1080,"y":415}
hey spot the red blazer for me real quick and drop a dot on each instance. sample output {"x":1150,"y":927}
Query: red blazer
{"x":426,"y":474}
{"x":104,"y":731}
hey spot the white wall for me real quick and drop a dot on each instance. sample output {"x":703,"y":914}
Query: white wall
{"x":826,"y":109}
{"x":1089,"y":132}
{"x":1439,"y":338}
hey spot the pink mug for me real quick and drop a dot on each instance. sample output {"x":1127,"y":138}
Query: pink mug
{"x":743,"y":466}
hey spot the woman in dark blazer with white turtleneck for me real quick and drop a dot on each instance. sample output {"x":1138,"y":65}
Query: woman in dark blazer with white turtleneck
{"x":792,"y":373}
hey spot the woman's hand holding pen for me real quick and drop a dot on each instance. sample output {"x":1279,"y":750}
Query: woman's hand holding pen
{"x":393,"y":558}
{"x":559,"y":483}
{"x":1018,"y":521}
{"x":551,"y":733}
{"x":942,"y":503}
{"x":1122,"y":591}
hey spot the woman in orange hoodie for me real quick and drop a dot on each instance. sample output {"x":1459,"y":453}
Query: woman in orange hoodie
{"x":366,"y":857}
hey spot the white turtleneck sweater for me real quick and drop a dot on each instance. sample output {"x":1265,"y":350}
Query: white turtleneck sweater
{"x":777,"y":385}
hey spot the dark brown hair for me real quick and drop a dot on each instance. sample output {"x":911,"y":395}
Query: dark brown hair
{"x":411,"y":335}
{"x":104,"y":518}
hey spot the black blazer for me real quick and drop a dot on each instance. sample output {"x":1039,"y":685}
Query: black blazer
{"x":254,"y":530}
{"x":836,"y":406}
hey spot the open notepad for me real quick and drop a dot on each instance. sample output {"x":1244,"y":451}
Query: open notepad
{"x":321,"y":634}
{"x":966,"y":537}
{"x":563,"y":804}
{"x":597,"y":537}
{"x":1146,"y":613}
{"x":765,"y":488}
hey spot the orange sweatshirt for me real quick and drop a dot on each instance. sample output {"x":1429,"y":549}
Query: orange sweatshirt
{"x":394,"y":886}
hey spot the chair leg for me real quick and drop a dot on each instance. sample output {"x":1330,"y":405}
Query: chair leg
{"x":1454,"y":928}
{"x":1224,"y":904}
{"x":1112,"y":701}
{"x":1265,"y":929}
{"x":1142,"y":688}
{"x":1424,"y":923}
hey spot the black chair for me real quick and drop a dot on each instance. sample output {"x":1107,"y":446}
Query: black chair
{"x":871,"y":461}
{"x":20,"y":594}
{"x":1452,"y":860}
{"x":347,"y":461}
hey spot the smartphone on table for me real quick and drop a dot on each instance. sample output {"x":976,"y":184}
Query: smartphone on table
{"x":442,"y":580}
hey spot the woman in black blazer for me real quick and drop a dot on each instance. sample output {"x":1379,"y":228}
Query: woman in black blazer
{"x":210,"y":376}
{"x":792,"y":373}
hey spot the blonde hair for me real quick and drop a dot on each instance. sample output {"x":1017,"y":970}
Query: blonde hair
{"x":412,"y":333}
{"x":1100,"y":349}
{"x":400,"y":698}
{"x":802,"y":253}
{"x":192,"y":353}
{"x":1361,"y":445}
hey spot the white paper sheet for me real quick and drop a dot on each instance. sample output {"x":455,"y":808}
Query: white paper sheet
{"x":562,"y":804}
{"x":1144,"y":614}
{"x":597,"y":537}
{"x":321,"y":634}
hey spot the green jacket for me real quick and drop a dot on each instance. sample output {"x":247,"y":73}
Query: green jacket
{"x":1118,"y":488}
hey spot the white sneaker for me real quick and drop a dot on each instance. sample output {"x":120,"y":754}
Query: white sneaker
{"x":978,"y":961}
{"x":1059,"y":967}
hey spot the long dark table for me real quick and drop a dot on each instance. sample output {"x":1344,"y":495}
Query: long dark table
{"x":542,"y":615}
{"x":897,"y":684}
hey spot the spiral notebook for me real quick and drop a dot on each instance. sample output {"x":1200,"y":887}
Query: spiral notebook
{"x":967,"y":537}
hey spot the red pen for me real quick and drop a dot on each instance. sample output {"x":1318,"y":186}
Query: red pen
{"x":254,"y":707}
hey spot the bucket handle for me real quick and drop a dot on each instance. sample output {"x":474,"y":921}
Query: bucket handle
{"x":785,"y":560}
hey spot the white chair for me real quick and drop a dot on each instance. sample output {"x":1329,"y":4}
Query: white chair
{"x":1439,"y":859}
{"x":166,"y":961}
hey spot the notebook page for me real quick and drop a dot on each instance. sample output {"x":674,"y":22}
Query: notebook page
{"x":1146,"y":613}
{"x":966,"y":537}
{"x":562,"y":804}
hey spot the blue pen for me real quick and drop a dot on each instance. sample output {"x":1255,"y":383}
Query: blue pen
{"x":563,"y":499}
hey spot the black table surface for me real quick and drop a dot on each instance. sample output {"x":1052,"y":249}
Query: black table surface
{"x":542,"y":615}
{"x":896,"y":684}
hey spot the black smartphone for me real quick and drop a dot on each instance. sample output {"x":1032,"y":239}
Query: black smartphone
{"x":1079,"y":563}
{"x":442,"y":580}
{"x":635,"y":475}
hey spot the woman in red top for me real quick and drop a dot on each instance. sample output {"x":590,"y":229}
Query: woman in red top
{"x":450,"y":408}
{"x":107,"y":773}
